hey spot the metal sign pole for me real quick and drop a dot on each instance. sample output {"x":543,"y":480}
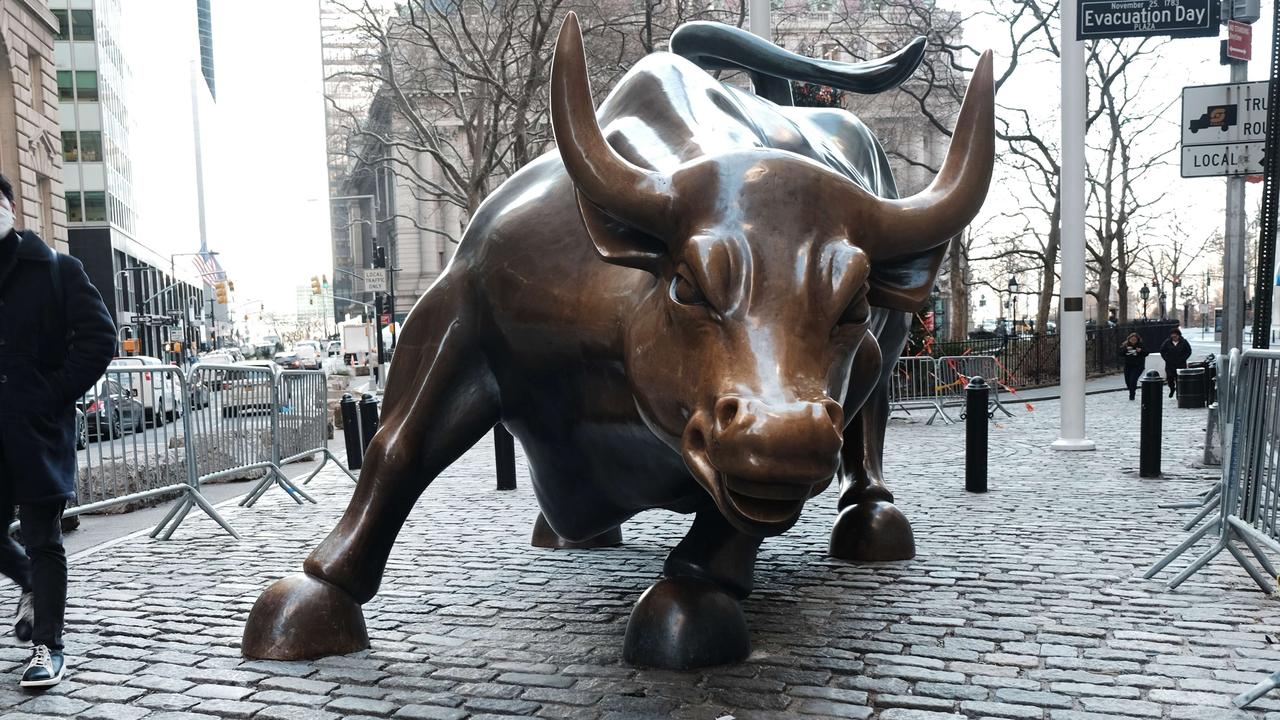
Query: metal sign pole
{"x":1071,"y":434}
{"x":1233,"y":255}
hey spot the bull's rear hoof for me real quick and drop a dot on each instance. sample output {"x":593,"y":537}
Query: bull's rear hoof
{"x":684,"y":623}
{"x":545,"y":537}
{"x":875,"y":531}
{"x":300,"y":618}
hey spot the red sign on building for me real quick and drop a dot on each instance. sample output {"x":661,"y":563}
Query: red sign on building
{"x":1239,"y":41}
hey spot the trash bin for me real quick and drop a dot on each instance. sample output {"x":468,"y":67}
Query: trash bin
{"x":1210,"y":365}
{"x":1191,"y":391}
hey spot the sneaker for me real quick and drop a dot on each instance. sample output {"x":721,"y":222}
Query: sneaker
{"x":24,"y":619}
{"x":44,"y":669}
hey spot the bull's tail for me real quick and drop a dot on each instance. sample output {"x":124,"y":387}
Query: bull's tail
{"x":716,"y":46}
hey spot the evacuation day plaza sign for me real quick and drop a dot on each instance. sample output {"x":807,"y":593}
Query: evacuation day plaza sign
{"x":1145,"y":18}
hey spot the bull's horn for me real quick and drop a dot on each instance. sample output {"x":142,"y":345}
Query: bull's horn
{"x":638,"y":197}
{"x":929,"y":218}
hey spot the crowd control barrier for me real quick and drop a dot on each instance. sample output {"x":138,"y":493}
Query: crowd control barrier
{"x":954,"y":372}
{"x":1248,"y":499}
{"x":913,"y":385}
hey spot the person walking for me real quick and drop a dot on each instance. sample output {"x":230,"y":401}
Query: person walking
{"x":1175,"y":351}
{"x":56,"y":339}
{"x":1135,"y":361}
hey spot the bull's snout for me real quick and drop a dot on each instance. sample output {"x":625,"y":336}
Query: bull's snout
{"x":796,"y":442}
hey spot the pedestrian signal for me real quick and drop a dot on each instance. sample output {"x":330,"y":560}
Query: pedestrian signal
{"x":315,"y":285}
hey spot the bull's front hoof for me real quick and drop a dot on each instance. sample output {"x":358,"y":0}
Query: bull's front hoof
{"x":873,"y":531}
{"x":545,"y":537}
{"x":684,"y":623}
{"x":300,"y":618}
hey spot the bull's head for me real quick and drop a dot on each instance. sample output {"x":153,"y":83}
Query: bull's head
{"x":765,"y":267}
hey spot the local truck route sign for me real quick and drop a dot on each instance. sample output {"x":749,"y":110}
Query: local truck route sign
{"x":1224,"y":129}
{"x":1147,"y":18}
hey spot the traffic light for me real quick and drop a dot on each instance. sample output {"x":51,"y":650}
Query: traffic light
{"x":324,"y":281}
{"x":315,"y":285}
{"x":231,"y":285}
{"x":220,"y":291}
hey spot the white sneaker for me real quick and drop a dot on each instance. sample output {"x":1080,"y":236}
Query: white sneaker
{"x":44,"y":669}
{"x":24,"y":619}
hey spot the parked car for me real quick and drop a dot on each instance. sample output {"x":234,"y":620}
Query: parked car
{"x":287,"y":359}
{"x":110,"y":410}
{"x":334,"y":348}
{"x":153,"y":390}
{"x":308,"y":353}
{"x":82,"y":430}
{"x":250,"y":393}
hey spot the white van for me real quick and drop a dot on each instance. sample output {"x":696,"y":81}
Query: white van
{"x":157,"y":392}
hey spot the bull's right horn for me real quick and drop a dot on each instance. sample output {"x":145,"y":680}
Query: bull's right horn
{"x":641,"y":198}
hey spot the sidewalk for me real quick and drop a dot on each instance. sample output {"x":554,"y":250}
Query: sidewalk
{"x":1026,"y":602}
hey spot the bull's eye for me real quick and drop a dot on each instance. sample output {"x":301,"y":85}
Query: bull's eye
{"x":685,"y":291}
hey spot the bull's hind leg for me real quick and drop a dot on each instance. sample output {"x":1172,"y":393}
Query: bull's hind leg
{"x":440,"y":400}
{"x":545,"y":537}
{"x":870,"y":526}
{"x":692,"y":617}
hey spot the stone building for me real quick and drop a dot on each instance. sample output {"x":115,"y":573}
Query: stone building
{"x":30,"y":150}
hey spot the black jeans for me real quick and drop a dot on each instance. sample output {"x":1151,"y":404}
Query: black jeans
{"x":42,"y":567}
{"x":1131,"y":376}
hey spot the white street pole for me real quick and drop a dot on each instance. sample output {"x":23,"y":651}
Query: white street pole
{"x":1071,"y":307}
{"x":1233,"y":256}
{"x":758,"y":12}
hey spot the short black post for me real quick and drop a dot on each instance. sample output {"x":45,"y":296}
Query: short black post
{"x":504,"y":455}
{"x":368,"y":419}
{"x":1152,"y":406}
{"x":977,"y":395}
{"x":351,"y":431}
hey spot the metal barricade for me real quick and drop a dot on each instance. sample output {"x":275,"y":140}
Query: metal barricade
{"x":954,"y":372}
{"x":913,"y":385}
{"x":1248,"y":501}
{"x":302,"y":424}
{"x":132,"y":428}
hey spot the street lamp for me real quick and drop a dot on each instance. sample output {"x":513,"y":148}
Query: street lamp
{"x":1144,"y":293}
{"x":1013,"y":309}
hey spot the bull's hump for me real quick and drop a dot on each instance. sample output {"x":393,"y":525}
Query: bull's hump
{"x":667,"y":111}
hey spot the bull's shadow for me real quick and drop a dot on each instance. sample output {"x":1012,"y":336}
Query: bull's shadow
{"x":692,"y":304}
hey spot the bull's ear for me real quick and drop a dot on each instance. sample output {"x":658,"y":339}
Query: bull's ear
{"x":905,"y":283}
{"x":620,"y":243}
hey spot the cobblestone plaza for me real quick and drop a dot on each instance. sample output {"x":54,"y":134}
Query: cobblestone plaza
{"x":1026,"y":602}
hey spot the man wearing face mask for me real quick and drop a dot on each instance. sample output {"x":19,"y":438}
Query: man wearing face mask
{"x":56,"y":339}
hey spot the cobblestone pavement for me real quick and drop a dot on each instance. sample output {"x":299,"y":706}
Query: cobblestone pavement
{"x":1026,"y":602}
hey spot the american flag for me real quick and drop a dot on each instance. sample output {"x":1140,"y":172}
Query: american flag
{"x":207,"y":265}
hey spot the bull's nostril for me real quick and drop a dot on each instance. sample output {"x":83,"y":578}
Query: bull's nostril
{"x":726,"y":411}
{"x":697,"y":441}
{"x":835,"y":412}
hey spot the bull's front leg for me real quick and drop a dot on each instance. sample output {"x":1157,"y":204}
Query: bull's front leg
{"x":870,"y":527}
{"x":440,"y":400}
{"x":692,"y":617}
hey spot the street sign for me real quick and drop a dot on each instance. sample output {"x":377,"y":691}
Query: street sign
{"x":1224,"y":129}
{"x":175,"y":334}
{"x":1221,"y":160}
{"x":375,"y":279}
{"x":1239,"y":41}
{"x":1147,"y":18}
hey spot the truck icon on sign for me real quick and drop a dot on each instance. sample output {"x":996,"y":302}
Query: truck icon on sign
{"x":1219,"y":116}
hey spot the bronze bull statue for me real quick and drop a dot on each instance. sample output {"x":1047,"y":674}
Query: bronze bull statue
{"x":693,"y":304}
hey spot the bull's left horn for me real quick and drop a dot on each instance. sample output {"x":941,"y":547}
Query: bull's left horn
{"x":929,"y":218}
{"x":639,"y":197}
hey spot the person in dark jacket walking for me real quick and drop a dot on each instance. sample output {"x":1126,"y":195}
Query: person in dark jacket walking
{"x":56,"y":340}
{"x":1175,"y":351}
{"x":1135,"y":361}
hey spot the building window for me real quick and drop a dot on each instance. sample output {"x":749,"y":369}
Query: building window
{"x":37,"y":83}
{"x":91,"y":146}
{"x":63,"y":32}
{"x":95,"y":206}
{"x":70,"y":149}
{"x":74,"y":211}
{"x":87,"y":84}
{"x":66,"y":89}
{"x":82,"y":24}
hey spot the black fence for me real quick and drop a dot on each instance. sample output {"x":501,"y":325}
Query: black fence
{"x":1031,"y":361}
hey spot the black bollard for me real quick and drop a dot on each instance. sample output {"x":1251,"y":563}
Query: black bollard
{"x":368,"y":420}
{"x":351,"y":431}
{"x":1149,"y":441}
{"x":977,"y":395}
{"x":504,"y":456}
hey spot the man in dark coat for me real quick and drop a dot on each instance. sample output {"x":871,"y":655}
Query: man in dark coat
{"x":1175,"y":351}
{"x":56,"y":339}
